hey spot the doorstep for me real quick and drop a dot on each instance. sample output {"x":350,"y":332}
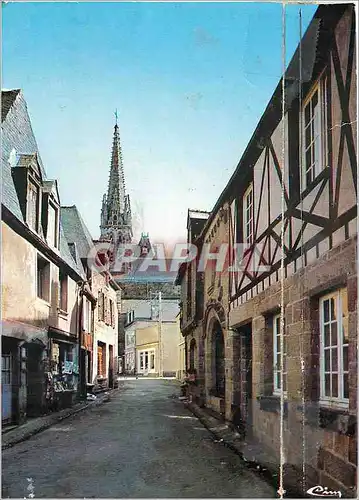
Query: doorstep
{"x":35,"y":425}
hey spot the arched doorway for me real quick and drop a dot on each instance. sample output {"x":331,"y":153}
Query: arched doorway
{"x":215,"y":357}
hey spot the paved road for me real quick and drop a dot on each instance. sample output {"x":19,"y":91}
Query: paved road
{"x":142,"y":443}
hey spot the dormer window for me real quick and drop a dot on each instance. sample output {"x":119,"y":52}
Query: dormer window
{"x":28,"y":184}
{"x":52,"y":224}
{"x":50,"y":213}
{"x":32,"y":206}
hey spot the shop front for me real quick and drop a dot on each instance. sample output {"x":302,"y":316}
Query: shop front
{"x":23,"y":357}
{"x":63,"y":374}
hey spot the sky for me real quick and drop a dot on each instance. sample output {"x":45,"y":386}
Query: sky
{"x":190,"y":82}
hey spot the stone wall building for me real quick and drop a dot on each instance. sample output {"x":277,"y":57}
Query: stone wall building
{"x":100,"y":317}
{"x":277,"y":335}
{"x":40,"y":278}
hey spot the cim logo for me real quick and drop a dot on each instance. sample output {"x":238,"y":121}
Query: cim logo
{"x":319,"y":491}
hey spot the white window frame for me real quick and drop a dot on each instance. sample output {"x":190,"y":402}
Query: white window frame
{"x":32,"y":188}
{"x":141,"y":361}
{"x":52,"y":226}
{"x":248,"y":222}
{"x":340,"y":400}
{"x":276,"y":350}
{"x":321,"y":88}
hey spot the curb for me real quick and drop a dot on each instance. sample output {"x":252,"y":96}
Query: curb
{"x":268,"y":474}
{"x":55,"y":418}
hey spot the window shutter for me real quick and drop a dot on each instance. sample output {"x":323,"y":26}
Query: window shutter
{"x":100,"y":306}
{"x":106,"y":310}
{"x":112,"y":313}
{"x":103,"y":306}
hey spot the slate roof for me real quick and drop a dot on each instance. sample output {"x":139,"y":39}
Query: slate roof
{"x":18,"y":136}
{"x":76,"y":231}
{"x":7,"y":100}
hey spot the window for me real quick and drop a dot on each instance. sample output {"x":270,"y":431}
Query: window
{"x":277,"y":357}
{"x":334,"y":369}
{"x":314,"y":128}
{"x":146,"y":361}
{"x":6,"y":369}
{"x":63,"y":283}
{"x":52,"y":226}
{"x":130,"y":317}
{"x":43,"y":278}
{"x":248,"y":216}
{"x":32,"y":206}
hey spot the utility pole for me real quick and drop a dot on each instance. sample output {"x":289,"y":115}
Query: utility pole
{"x":160,"y":348}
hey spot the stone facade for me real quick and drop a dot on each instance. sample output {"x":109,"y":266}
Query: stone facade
{"x":322,"y":434}
{"x":273,"y":343}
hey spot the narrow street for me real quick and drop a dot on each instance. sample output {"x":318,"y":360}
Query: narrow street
{"x":142,"y":443}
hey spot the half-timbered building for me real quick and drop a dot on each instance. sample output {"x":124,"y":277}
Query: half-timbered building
{"x":290,"y":319}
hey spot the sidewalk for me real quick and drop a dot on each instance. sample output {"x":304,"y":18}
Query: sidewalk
{"x":253,"y":454}
{"x":35,"y":425}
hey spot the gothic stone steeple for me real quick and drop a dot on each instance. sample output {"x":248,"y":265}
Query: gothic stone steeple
{"x":116,"y":223}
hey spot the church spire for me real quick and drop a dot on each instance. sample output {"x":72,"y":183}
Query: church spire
{"x":116,"y":224}
{"x":116,"y":185}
